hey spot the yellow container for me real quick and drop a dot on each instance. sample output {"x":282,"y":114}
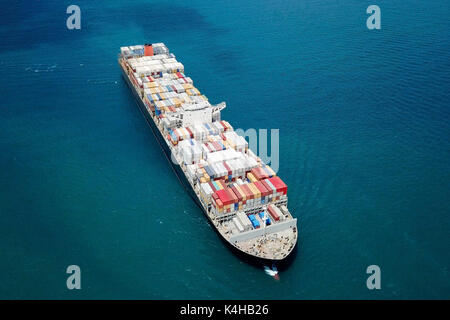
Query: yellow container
{"x":176,"y":102}
{"x":244,"y":197}
{"x":255,"y":190}
{"x":251,"y":177}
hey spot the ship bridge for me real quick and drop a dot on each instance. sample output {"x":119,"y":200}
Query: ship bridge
{"x":197,"y":113}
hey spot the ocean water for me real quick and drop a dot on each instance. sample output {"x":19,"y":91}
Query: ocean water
{"x":364,"y":119}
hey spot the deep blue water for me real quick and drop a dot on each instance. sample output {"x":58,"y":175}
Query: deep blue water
{"x":364,"y":119}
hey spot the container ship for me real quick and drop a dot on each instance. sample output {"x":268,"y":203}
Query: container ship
{"x":243,"y":198}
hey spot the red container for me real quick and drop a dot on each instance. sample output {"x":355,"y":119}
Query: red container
{"x":249,"y":193}
{"x":269,"y":188}
{"x":224,"y":196}
{"x":261,"y":188}
{"x":227,"y":167}
{"x":188,"y":130}
{"x":232,"y":195}
{"x":259,"y":173}
{"x":278,"y":184}
{"x":273,"y":213}
{"x":237,"y":193}
{"x":223,"y":125}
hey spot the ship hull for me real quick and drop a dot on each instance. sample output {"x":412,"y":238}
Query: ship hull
{"x":257,"y":261}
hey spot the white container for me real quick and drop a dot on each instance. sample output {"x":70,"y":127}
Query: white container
{"x":238,"y":224}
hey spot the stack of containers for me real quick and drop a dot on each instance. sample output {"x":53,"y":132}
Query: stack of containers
{"x":249,"y":195}
{"x":241,"y":195}
{"x":279,"y":185}
{"x":244,"y":220}
{"x":225,"y":200}
{"x":263,"y":172}
{"x":190,"y":151}
{"x":276,"y":214}
{"x":254,"y":221}
{"x":267,"y":222}
{"x":259,"y":173}
{"x":257,"y":194}
{"x":236,"y":141}
{"x":246,"y":195}
{"x":251,"y":177}
{"x":218,"y":170}
{"x":238,"y":224}
{"x":199,"y":132}
{"x":213,"y":146}
{"x":205,"y":192}
{"x":202,"y":175}
{"x":160,"y":48}
{"x":265,"y":193}
{"x":226,"y":125}
{"x":208,"y":128}
{"x":224,"y":155}
{"x":191,"y":171}
{"x":253,"y":156}
{"x":269,"y":171}
{"x":218,"y":126}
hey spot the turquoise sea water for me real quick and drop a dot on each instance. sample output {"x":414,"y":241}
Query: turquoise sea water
{"x":364,"y":125}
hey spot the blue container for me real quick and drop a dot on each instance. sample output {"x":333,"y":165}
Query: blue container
{"x":215,"y":185}
{"x":209,"y":129}
{"x":261,"y":215}
{"x":255,"y":223}
{"x":208,"y":171}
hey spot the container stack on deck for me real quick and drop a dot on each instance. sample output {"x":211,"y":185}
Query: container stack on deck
{"x":246,"y":195}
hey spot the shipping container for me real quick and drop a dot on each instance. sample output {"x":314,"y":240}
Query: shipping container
{"x":238,"y":224}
